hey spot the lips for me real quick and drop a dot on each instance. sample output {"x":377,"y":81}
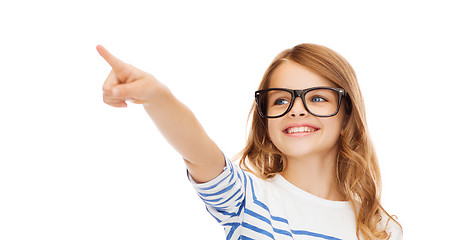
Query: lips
{"x":300,"y":128}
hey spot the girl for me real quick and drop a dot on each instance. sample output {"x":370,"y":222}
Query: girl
{"x":310,"y":171}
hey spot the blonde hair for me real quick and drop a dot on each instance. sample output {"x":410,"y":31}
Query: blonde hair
{"x":357,"y":170}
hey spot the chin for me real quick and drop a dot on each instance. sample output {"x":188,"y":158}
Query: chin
{"x":299,"y":154}
{"x":297,"y":151}
{"x":302,"y":150}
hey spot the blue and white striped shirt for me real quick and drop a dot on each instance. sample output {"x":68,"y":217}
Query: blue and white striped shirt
{"x":251,"y":208}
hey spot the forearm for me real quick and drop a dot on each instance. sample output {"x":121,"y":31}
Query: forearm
{"x":183,"y":131}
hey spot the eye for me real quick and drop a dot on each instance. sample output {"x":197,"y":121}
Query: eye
{"x":281,"y":101}
{"x":318,"y":99}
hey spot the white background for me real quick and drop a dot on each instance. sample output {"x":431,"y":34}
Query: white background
{"x":72,"y":167}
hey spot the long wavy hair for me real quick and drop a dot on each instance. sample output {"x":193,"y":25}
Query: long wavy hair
{"x":357,"y":169}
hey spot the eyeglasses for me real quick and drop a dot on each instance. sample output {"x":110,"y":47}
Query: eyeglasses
{"x":318,"y":101}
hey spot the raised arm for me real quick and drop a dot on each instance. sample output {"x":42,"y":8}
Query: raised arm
{"x":175,"y":121}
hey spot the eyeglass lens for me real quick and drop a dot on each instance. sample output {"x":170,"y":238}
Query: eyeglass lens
{"x":321,"y":102}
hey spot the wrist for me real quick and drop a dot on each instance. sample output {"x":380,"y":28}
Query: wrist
{"x":158,"y":94}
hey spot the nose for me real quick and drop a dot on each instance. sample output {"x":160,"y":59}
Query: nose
{"x":298,"y":108}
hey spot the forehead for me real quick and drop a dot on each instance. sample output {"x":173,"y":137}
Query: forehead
{"x":292,"y":75}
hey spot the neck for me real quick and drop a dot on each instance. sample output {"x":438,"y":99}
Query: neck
{"x":315,"y":174}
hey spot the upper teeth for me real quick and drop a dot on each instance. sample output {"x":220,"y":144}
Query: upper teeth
{"x":300,"y":129}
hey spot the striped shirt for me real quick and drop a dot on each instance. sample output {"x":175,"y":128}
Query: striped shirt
{"x":251,"y":208}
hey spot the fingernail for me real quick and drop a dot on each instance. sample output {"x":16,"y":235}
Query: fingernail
{"x":115,"y":92}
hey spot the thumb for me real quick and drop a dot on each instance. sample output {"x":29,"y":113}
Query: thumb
{"x":127,"y":91}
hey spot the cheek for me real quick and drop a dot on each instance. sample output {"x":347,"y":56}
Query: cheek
{"x":274,"y":132}
{"x":333,"y":127}
{"x":271,"y":129}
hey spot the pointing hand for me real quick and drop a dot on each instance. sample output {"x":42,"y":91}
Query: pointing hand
{"x":125,"y":82}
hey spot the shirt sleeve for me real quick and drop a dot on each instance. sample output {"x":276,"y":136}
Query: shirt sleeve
{"x":224,"y":195}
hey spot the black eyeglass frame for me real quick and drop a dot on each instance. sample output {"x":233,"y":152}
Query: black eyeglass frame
{"x":299,"y":93}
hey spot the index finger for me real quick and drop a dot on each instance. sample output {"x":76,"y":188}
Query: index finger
{"x":114,"y":62}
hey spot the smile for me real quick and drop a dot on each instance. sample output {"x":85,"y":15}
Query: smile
{"x":300,"y":130}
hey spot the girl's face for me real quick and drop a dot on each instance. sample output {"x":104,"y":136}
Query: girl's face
{"x":299,"y":134}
